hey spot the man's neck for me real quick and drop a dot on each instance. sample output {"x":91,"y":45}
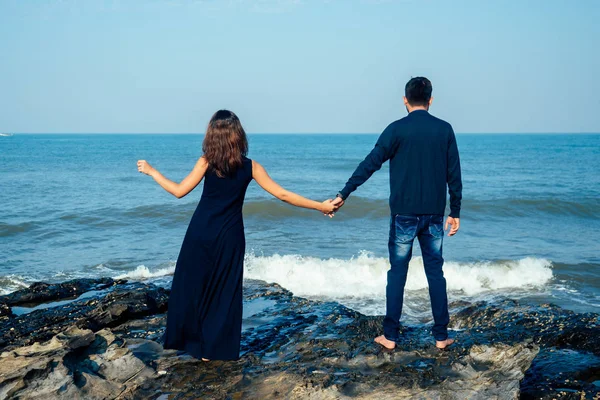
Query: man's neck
{"x":417,"y":109}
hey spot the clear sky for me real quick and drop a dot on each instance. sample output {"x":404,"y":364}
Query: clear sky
{"x":297,"y":65}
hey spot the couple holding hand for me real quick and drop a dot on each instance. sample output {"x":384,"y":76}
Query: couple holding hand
{"x":205,"y":305}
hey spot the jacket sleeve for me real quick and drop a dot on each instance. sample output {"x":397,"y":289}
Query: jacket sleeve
{"x":453,"y":176}
{"x":383,"y":151}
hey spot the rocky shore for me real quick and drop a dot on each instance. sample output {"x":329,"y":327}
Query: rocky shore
{"x":100,"y":339}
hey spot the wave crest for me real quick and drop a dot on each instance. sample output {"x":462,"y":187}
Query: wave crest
{"x":365,"y":275}
{"x":11,"y":283}
{"x":142,"y":272}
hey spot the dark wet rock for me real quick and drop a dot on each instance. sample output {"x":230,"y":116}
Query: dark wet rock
{"x":5,"y":312}
{"x":123,"y":303}
{"x":294,"y":348}
{"x":41,"y":292}
{"x":547,"y":325}
{"x":569,"y":362}
{"x":570,"y":374}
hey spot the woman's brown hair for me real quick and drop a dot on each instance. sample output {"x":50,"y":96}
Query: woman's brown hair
{"x":225,"y":144}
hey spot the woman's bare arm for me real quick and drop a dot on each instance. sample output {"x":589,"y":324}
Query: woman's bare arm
{"x":261,"y":177}
{"x":181,"y":189}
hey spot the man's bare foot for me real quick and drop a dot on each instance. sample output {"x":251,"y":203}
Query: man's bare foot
{"x":388,"y":344}
{"x":205,"y":360}
{"x":442,"y":344}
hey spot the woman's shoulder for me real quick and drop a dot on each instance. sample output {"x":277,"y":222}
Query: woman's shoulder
{"x":247,"y":164}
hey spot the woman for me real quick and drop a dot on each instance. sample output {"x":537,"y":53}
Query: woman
{"x":205,"y":305}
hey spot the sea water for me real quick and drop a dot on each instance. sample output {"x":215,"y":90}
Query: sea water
{"x":75,"y":206}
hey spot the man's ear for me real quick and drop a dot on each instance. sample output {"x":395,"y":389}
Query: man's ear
{"x":405,"y":100}
{"x":430,"y":101}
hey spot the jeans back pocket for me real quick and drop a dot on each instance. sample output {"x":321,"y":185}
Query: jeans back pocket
{"x":436,"y":226}
{"x":405,"y":227}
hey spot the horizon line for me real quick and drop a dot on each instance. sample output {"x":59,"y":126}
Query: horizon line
{"x":289,"y":133}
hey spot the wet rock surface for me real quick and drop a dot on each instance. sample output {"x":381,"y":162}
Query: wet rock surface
{"x":569,"y":362}
{"x":120,"y":304}
{"x":547,"y":325}
{"x":5,"y":312}
{"x":108,"y":346}
{"x":40,"y":292}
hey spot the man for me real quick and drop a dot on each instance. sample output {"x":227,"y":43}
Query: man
{"x":423,"y":160}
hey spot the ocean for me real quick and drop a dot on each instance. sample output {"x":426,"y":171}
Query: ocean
{"x":75,"y":206}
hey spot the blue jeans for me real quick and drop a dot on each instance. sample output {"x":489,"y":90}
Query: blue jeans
{"x":429,"y":230}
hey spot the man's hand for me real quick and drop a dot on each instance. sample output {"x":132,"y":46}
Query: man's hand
{"x":336,"y":203}
{"x":455,"y":225}
{"x":328,"y":208}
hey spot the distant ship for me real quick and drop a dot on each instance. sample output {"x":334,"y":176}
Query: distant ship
{"x":5,"y":134}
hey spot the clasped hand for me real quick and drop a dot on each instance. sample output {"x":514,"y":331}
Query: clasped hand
{"x":331,"y":206}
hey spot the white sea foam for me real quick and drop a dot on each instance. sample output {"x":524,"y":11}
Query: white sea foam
{"x":365,"y":275}
{"x":359,"y":282}
{"x":143,"y":272}
{"x":11,"y":283}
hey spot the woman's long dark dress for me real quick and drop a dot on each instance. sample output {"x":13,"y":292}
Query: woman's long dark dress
{"x":205,"y":306}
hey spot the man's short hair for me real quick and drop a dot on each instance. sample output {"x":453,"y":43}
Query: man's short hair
{"x":418,"y":91}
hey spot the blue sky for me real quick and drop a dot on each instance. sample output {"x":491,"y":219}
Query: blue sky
{"x":297,"y":65}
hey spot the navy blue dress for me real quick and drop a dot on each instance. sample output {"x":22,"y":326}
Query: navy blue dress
{"x":205,"y":305}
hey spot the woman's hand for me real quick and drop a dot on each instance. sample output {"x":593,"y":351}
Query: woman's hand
{"x":176,"y":189}
{"x":144,"y":167}
{"x":328,"y":208}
